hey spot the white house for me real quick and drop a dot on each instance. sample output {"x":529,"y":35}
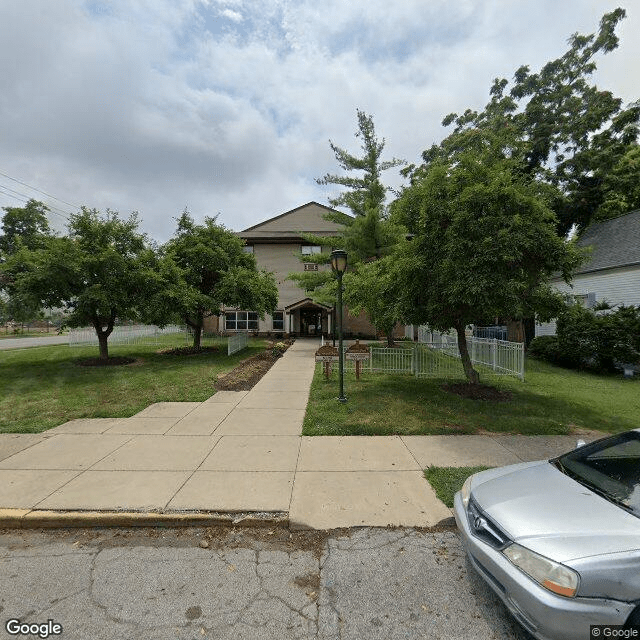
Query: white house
{"x":612,"y":272}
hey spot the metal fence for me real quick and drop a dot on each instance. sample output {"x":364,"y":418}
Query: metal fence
{"x":132,"y":334}
{"x":500,"y":332}
{"x":237,"y":342}
{"x":441,"y":359}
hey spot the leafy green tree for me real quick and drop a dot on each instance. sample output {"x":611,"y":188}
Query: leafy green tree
{"x":372,"y":288}
{"x":621,"y":187}
{"x":22,"y":227}
{"x":368,"y":233}
{"x":561,"y":128}
{"x":101,"y":272}
{"x":205,"y":268}
{"x":485,"y":244}
{"x":364,"y":193}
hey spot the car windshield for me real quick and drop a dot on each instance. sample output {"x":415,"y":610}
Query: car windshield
{"x":610,"y":467}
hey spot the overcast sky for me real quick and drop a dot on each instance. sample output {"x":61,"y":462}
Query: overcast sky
{"x":227,"y":106}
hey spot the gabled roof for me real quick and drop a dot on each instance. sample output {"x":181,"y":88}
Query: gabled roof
{"x":614,"y":243}
{"x":307,"y":302}
{"x":307,"y":218}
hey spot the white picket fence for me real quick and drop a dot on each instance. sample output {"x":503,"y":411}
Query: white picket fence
{"x":440,"y":358}
{"x":237,"y":342}
{"x":133,"y":334}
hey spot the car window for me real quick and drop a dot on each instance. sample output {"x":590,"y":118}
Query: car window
{"x":610,"y":467}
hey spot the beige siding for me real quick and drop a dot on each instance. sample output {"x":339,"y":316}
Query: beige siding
{"x":281,"y":260}
{"x":307,"y":219}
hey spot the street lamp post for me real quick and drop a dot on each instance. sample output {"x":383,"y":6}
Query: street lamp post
{"x":339,"y":266}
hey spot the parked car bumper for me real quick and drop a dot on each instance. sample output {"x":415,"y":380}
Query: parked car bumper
{"x":542,"y":613}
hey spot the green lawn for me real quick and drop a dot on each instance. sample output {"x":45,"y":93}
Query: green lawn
{"x":446,"y":481}
{"x":41,"y":387}
{"x":551,"y":400}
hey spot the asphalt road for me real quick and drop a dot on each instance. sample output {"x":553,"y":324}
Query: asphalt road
{"x":373,"y":584}
{"x":21,"y":343}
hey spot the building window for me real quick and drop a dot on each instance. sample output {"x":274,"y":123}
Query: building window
{"x":248,"y":248}
{"x":309,"y":250}
{"x":278,"y":320}
{"x":310,"y":266}
{"x":241,"y":321}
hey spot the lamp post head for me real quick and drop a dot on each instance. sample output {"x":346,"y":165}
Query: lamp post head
{"x":339,"y":261}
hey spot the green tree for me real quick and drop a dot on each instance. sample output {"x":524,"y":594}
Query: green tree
{"x":621,"y":187}
{"x":368,"y":233}
{"x":101,"y":272}
{"x":205,"y":268}
{"x":485,"y":244}
{"x":22,"y":227}
{"x":372,"y":288}
{"x":562,"y":129}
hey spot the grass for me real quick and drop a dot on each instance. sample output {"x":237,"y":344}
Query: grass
{"x":550,"y":401}
{"x":446,"y":481}
{"x":41,"y":387}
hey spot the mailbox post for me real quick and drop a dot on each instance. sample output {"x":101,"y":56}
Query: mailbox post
{"x":359,"y":353}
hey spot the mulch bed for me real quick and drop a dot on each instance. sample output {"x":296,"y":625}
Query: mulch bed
{"x":110,"y":362}
{"x":189,"y":351}
{"x":477,"y":392}
{"x":248,"y":372}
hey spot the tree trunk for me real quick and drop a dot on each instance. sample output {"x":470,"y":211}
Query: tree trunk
{"x":390,"y":341}
{"x":103,"y":334}
{"x":469,"y":371}
{"x":197,"y":334}
{"x":104,"y":347}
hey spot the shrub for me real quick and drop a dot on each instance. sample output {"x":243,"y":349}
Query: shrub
{"x":544,"y":348}
{"x":601,"y":341}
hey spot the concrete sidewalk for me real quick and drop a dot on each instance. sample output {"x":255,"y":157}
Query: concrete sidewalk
{"x":242,"y":452}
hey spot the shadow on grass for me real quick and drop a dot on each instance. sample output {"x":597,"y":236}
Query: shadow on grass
{"x":383,"y":404}
{"x":43,"y":387}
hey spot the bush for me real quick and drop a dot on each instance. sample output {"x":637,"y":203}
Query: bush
{"x":600,"y":341}
{"x":544,"y":348}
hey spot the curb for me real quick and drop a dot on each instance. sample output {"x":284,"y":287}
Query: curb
{"x":41,"y":519}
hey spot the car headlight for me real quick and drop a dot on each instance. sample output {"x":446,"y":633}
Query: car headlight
{"x":465,"y":492}
{"x":551,"y":575}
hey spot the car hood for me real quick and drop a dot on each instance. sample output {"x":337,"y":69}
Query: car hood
{"x":546,"y":511}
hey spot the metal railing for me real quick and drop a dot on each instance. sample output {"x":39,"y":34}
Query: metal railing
{"x":441,"y":359}
{"x":237,"y":342}
{"x":131,"y":334}
{"x":495,"y":357}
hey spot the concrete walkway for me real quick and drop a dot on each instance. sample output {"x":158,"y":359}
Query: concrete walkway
{"x":243,"y":452}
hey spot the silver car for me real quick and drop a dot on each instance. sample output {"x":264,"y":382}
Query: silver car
{"x":559,"y":540}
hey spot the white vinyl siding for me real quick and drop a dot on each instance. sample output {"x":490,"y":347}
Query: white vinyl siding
{"x":615,"y":286}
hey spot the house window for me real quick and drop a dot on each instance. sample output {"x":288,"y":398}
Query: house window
{"x":587,"y":300}
{"x":278,"y":320}
{"x":248,"y":248}
{"x":309,"y":250}
{"x":241,"y":321}
{"x":310,"y":266}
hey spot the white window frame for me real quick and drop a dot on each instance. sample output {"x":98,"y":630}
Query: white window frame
{"x":311,"y":249}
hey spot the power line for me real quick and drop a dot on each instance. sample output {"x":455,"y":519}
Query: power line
{"x":21,"y":196}
{"x":75,"y":206}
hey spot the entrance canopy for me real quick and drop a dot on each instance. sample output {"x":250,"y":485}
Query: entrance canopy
{"x":307,"y":303}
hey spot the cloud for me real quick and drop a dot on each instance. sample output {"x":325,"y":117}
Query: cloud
{"x":228,"y":106}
